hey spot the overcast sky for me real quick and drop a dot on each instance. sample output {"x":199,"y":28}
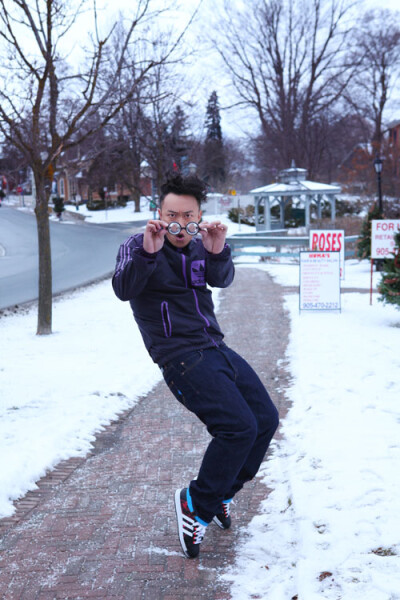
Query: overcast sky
{"x":204,"y":74}
{"x":202,"y":71}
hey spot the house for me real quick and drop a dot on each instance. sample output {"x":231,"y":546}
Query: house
{"x":71,"y":181}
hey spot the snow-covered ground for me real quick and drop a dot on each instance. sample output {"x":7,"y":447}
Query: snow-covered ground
{"x":115,"y":215}
{"x":286,"y":272}
{"x":330,"y":527}
{"x":119,"y":214}
{"x":58,"y":390}
{"x":127,"y":213}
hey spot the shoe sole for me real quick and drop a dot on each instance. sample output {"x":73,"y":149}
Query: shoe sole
{"x":179,"y":520}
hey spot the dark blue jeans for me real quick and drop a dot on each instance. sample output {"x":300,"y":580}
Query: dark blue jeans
{"x":226,"y":394}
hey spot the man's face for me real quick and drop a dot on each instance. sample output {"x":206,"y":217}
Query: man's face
{"x":181,"y":209}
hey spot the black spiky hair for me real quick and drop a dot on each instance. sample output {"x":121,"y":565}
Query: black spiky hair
{"x":189,"y":185}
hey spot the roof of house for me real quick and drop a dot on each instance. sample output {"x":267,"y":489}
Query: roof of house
{"x":295,"y":188}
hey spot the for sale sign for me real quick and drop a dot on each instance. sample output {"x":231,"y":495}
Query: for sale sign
{"x":329,"y":240}
{"x":382,"y":237}
{"x":319,"y":281}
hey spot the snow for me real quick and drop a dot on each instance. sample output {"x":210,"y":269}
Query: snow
{"x":286,"y":272}
{"x":295,"y":186}
{"x":330,"y":526}
{"x":121,"y":214}
{"x":59,"y":390}
{"x":128,"y":214}
{"x":335,"y":500}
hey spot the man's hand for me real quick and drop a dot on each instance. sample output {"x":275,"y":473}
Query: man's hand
{"x":213,"y":235}
{"x":154,"y":235}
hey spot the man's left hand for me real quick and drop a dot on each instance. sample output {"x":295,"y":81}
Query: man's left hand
{"x":213,"y":235}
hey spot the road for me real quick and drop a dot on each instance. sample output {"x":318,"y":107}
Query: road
{"x":81,"y":253}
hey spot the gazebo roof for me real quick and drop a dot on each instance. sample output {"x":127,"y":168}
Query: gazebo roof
{"x":293,"y":182}
{"x":295,"y":188}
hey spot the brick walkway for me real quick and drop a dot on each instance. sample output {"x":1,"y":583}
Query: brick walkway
{"x":104,"y":526}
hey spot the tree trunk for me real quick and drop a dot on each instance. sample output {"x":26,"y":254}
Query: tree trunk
{"x":44,"y":250}
{"x":136,"y":199}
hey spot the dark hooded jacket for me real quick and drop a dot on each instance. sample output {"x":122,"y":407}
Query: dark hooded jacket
{"x":169,"y":297}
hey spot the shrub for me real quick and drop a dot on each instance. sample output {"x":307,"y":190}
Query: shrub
{"x":245,"y":215}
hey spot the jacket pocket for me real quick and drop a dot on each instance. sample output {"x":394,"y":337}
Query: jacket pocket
{"x":166,"y":319}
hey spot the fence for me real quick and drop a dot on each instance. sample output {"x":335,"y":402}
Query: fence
{"x":271,"y":245}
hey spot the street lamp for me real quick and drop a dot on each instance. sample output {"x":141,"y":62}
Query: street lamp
{"x":378,"y":163}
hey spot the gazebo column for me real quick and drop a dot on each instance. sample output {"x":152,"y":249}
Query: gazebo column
{"x":267,"y":213}
{"x":307,"y":210}
{"x":333,"y":209}
{"x":319,"y":206}
{"x":256,"y":213}
{"x":282,"y":204}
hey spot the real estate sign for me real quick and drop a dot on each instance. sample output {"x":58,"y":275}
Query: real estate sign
{"x":329,"y":240}
{"x":320,"y":280}
{"x":382,"y":237}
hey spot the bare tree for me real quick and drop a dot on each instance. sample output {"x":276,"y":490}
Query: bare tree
{"x":128,"y":131}
{"x":148,"y":136}
{"x":45,"y":102}
{"x":286,"y":61}
{"x":13,"y":166}
{"x":160,"y":141}
{"x":376,"y":52}
{"x":129,"y":136}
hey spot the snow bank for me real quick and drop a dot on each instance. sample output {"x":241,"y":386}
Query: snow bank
{"x":330,"y":528}
{"x":57,"y":391}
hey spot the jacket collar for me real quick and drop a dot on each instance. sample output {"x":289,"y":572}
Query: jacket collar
{"x":186,"y":250}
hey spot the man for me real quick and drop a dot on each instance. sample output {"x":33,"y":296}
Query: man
{"x":164,"y":274}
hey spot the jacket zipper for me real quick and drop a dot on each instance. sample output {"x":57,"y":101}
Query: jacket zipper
{"x":184,"y":269}
{"x":207,"y":322}
{"x":196,"y":301}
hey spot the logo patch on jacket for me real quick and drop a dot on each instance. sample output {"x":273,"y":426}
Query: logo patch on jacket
{"x":198,"y":272}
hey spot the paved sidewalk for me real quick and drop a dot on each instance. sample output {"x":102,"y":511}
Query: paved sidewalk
{"x":104,"y":526}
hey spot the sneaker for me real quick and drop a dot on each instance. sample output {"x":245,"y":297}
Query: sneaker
{"x":223,"y":519}
{"x":191,"y":532}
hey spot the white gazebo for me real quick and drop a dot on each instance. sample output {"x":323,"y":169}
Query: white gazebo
{"x":293,"y":186}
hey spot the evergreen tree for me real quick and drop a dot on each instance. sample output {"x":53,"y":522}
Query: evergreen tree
{"x":179,"y":140}
{"x":389,"y":286}
{"x":364,"y":241}
{"x":213,"y":119}
{"x":214,"y":154}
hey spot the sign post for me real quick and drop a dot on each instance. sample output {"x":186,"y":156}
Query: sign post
{"x":320,"y":280}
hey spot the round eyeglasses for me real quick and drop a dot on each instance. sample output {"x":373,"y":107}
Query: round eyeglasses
{"x":191,"y":228}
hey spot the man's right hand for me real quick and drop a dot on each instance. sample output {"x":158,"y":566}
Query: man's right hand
{"x":154,"y":235}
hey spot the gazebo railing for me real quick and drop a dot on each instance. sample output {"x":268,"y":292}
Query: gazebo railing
{"x":274,"y":246}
